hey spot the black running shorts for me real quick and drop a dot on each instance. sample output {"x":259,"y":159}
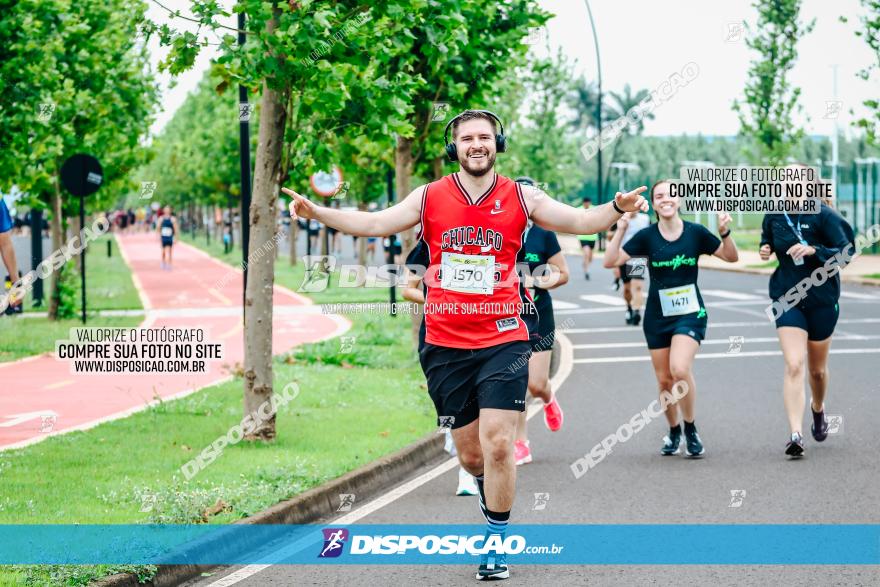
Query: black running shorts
{"x":461,"y":382}
{"x":818,"y":321}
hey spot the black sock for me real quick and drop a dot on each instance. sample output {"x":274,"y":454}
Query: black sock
{"x":689,"y":427}
{"x":482,"y":501}
{"x":497,"y":522}
{"x":675,"y":429}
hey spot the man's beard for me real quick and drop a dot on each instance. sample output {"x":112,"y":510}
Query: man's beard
{"x":466,"y":163}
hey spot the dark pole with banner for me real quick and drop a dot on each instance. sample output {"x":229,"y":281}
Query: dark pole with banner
{"x":392,"y":243}
{"x":82,"y":176}
{"x":244,"y":137}
{"x":37,"y":252}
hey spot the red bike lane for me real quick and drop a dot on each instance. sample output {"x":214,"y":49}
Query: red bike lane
{"x":42,"y":397}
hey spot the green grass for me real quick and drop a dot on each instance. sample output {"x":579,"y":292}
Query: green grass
{"x":353,"y":407}
{"x":108,"y":281}
{"x":24,"y":337}
{"x":109,"y":287}
{"x":872,"y":276}
{"x":292,"y":276}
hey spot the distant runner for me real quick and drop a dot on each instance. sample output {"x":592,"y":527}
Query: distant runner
{"x":167,"y":230}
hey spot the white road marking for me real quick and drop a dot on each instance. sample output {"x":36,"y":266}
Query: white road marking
{"x":727,"y":294}
{"x":634,"y":359}
{"x":250,"y":570}
{"x":859,"y":296}
{"x":563,"y":305}
{"x":746,"y":340}
{"x":603,"y":299}
{"x":711,"y":324}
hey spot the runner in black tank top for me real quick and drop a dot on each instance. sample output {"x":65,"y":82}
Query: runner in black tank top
{"x":167,"y":231}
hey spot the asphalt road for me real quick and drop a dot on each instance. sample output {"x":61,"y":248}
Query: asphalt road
{"x":741,"y":420}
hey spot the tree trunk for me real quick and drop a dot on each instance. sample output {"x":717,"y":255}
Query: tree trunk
{"x":362,"y":241}
{"x":57,"y":226}
{"x":437,"y":167}
{"x":261,"y":269}
{"x":403,"y":169}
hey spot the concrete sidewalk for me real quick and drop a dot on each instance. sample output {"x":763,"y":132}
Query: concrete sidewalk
{"x":750,"y":262}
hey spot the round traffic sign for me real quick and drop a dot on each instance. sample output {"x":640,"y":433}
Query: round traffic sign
{"x":326,"y":184}
{"x":82,"y":175}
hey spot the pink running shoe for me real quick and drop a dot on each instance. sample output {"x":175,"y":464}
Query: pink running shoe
{"x":553,"y":415}
{"x":522,"y":452}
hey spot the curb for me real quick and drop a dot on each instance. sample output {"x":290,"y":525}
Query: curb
{"x":310,"y":506}
{"x":320,"y":501}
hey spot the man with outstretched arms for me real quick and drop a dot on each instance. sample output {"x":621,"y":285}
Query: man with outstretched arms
{"x":477,"y":312}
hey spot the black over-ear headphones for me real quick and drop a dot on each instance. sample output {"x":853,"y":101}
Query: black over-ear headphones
{"x":500,"y":139}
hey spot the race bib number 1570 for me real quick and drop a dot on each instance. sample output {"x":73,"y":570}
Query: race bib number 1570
{"x":474,"y":274}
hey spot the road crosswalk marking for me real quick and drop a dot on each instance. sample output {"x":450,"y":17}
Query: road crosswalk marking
{"x":729,"y":295}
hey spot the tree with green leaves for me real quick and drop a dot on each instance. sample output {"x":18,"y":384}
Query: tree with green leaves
{"x":770,"y":101}
{"x":870,"y":32}
{"x":72,"y":82}
{"x":540,"y":146}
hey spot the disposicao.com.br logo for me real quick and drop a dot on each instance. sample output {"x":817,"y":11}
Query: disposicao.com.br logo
{"x":402,"y":544}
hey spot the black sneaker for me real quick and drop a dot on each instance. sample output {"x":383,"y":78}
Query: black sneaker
{"x":629,"y":316}
{"x":693,"y":443}
{"x":795,"y":446}
{"x":587,"y":276}
{"x":672,"y":442}
{"x":493,"y":567}
{"x":819,"y":428}
{"x":637,"y":318}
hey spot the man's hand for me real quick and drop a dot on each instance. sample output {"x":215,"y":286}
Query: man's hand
{"x":300,"y":207}
{"x":800,"y":251}
{"x":723,"y":222}
{"x":765,"y":252}
{"x":632,"y":201}
{"x":622,"y":224}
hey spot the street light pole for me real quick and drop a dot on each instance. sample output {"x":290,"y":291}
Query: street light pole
{"x":598,"y":105}
{"x":244,"y":137}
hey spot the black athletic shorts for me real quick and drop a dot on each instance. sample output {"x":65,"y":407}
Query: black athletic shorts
{"x":542,"y":338}
{"x":586,"y":243}
{"x":818,"y":321}
{"x":463,"y":381}
{"x":659,"y":332}
{"x":630,"y":272}
{"x":167,"y":241}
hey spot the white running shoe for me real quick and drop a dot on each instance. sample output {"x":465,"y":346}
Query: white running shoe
{"x":467,"y":485}
{"x":449,"y":444}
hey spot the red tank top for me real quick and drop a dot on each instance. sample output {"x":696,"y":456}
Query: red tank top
{"x":465,"y":307}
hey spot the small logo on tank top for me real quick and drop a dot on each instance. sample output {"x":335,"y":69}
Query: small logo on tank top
{"x":497,"y":209}
{"x":506,"y":324}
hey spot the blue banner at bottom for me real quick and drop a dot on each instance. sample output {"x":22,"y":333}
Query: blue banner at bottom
{"x":636,"y":544}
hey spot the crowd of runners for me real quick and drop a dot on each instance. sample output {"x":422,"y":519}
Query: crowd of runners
{"x":475,"y":227}
{"x":482,"y":237}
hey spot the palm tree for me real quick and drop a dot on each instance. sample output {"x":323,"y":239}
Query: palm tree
{"x":583,"y":99}
{"x":624,"y":102}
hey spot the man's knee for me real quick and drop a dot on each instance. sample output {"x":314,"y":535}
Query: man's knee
{"x":472,"y":460}
{"x":539,"y":387}
{"x":498,"y":443}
